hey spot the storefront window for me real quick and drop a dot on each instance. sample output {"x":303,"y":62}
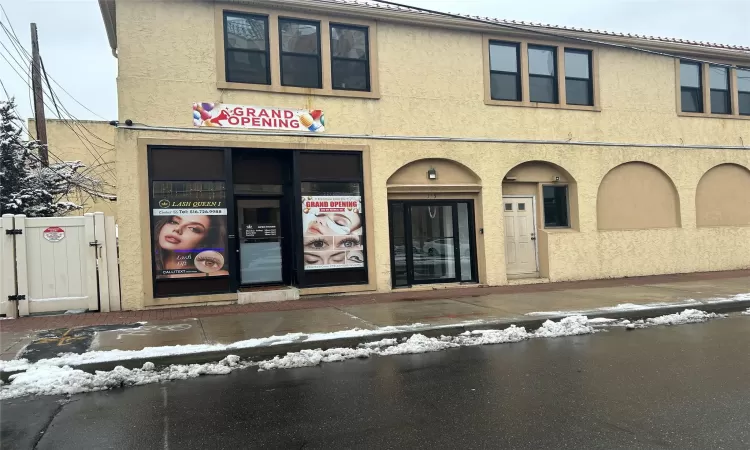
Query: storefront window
{"x":189,"y":231}
{"x":464,"y":241}
{"x":432,"y":242}
{"x":432,"y":234}
{"x":332,"y":226}
{"x":398,"y":245}
{"x":333,"y":221}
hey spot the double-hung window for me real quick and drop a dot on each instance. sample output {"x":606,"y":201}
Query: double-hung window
{"x":350,"y":59}
{"x":743,"y":88}
{"x":542,"y":74}
{"x":721,"y":102}
{"x":505,"y":74}
{"x":246,"y":48}
{"x":578,"y":84}
{"x":300,"y":53}
{"x":691,"y":87}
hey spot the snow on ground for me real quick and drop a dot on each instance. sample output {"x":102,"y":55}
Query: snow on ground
{"x":635,"y":306}
{"x":55,"y":377}
{"x":746,"y":313}
{"x":52,"y":380}
{"x":617,"y":308}
{"x":97,"y":356}
{"x":734,"y":298}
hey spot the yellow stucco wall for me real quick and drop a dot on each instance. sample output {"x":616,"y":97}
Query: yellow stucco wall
{"x":96,"y":152}
{"x":431,"y":84}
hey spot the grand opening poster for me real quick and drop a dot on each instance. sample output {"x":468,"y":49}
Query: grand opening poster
{"x":190,"y":238}
{"x":332,"y":228}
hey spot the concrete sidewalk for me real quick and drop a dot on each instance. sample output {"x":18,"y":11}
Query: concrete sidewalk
{"x":366,"y":312}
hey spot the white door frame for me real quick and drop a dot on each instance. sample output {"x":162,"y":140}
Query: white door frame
{"x":533,"y":218}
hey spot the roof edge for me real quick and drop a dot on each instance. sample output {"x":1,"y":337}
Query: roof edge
{"x":108,"y":10}
{"x":482,"y":24}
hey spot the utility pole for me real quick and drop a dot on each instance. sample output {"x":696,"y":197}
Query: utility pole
{"x":36,"y":87}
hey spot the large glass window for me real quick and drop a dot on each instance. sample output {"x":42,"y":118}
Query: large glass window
{"x":555,"y":206}
{"x":743,"y":88}
{"x":720,"y":96}
{"x":300,"y":53}
{"x":246,"y":48}
{"x":691,"y":87}
{"x":505,"y":74}
{"x":350,"y":66}
{"x":542,"y":74}
{"x":578,"y":85}
{"x":188,"y":211}
{"x":332,"y":210}
{"x":432,"y":242}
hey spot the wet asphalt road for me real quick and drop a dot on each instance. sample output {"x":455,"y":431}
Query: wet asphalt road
{"x":665,"y":387}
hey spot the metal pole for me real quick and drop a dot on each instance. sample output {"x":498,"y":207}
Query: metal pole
{"x":36,"y":86}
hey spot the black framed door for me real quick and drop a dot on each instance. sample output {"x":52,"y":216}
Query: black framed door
{"x":432,"y":242}
{"x":263,"y":251}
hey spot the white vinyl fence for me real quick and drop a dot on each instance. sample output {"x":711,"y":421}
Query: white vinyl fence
{"x":57,"y":264}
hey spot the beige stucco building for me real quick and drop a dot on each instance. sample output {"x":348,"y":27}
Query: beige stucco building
{"x":92,"y":143}
{"x":474,"y":152}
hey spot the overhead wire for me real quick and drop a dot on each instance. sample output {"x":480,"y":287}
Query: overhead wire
{"x":75,"y":183}
{"x":80,"y":134}
{"x":12,"y":31}
{"x":24,"y":54}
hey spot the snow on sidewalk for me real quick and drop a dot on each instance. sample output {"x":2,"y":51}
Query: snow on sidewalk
{"x":100,"y":356}
{"x":54,"y":377}
{"x":623,"y":307}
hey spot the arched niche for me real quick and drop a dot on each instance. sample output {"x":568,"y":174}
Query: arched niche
{"x":723,"y":197}
{"x":635,"y":196}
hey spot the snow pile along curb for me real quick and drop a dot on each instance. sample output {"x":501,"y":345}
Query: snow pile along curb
{"x":53,"y":380}
{"x":47,"y":378}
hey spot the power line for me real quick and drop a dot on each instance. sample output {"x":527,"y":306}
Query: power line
{"x":97,"y":156}
{"x":20,"y":50}
{"x":18,"y":42}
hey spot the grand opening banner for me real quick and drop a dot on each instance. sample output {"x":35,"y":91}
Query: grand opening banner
{"x":332,"y":228}
{"x":257,"y":117}
{"x":190,"y":237}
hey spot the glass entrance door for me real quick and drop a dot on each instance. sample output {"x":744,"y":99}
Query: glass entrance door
{"x":432,"y":242}
{"x":260,"y":241}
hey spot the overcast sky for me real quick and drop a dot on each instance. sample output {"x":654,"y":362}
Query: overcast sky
{"x":76,"y":53}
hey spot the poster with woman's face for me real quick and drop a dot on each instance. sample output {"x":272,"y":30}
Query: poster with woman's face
{"x":332,"y":232}
{"x":190,"y":238}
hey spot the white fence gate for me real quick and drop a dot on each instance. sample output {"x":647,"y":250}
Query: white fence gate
{"x":56,"y":264}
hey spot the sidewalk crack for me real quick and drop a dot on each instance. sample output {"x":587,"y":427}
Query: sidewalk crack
{"x":353,"y":316}
{"x":203,"y":332}
{"x":60,"y":406}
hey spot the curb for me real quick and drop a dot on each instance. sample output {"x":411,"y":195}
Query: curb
{"x":266,"y":352}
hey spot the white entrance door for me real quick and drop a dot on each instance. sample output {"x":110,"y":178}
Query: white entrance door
{"x":520,"y":235}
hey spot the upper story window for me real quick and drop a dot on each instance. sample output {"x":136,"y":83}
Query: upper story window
{"x":691,"y":87}
{"x":721,"y":103}
{"x":246,"y":48}
{"x":579,"y":86}
{"x":505,"y":74}
{"x":533,"y":74}
{"x":305,"y":54}
{"x":743,"y":88}
{"x":350,"y":58}
{"x":542,"y":74}
{"x":713,"y":90}
{"x":299,"y":42}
